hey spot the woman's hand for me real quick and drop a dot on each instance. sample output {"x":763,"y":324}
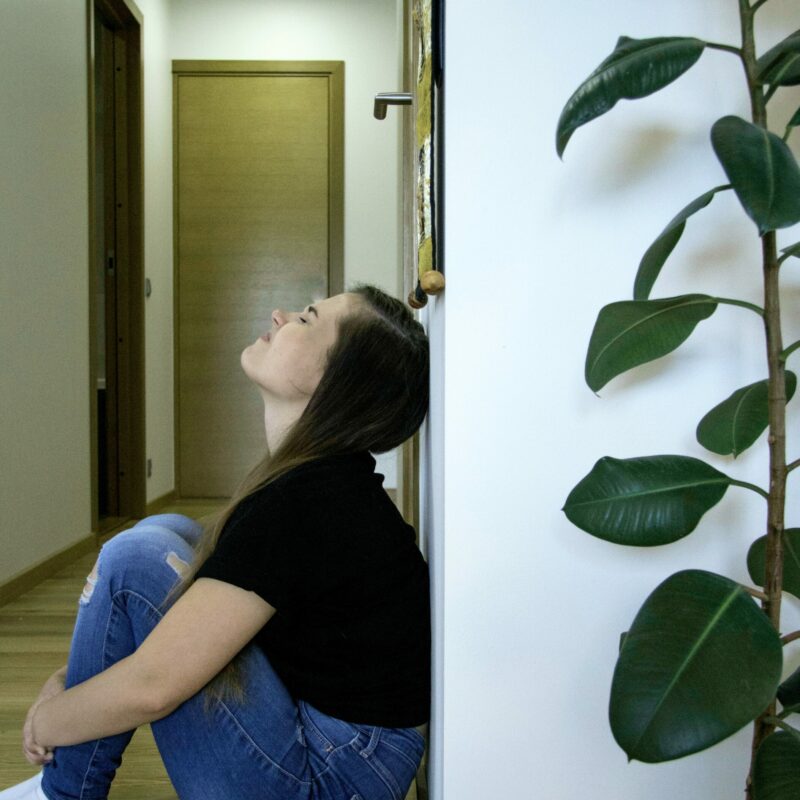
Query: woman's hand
{"x":35,"y":753}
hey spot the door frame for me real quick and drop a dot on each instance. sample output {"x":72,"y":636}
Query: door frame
{"x":334,"y":71}
{"x":129,"y":181}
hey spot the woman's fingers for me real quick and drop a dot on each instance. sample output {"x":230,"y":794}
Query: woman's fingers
{"x":37,"y":758}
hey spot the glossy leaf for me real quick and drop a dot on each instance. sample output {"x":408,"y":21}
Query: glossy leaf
{"x":633,"y":332}
{"x":660,"y":249}
{"x":780,"y":66}
{"x":700,"y":661}
{"x":733,"y":425}
{"x":795,"y":120}
{"x":789,"y":690}
{"x":645,"y":501}
{"x":762,"y":170}
{"x":776,"y":769}
{"x":636,"y":68}
{"x":756,"y":560}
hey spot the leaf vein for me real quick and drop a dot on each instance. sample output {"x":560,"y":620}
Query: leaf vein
{"x":642,"y":321}
{"x":633,"y":495}
{"x":692,"y":653}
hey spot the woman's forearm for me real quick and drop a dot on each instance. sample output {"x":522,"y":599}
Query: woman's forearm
{"x":111,"y":702}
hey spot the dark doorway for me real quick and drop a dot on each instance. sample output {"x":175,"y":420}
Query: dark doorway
{"x":117,"y":314}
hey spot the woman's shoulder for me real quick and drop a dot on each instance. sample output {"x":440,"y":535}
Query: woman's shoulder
{"x":353,"y":465}
{"x":311,"y":484}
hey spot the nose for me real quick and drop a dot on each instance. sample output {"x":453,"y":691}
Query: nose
{"x":278,"y":317}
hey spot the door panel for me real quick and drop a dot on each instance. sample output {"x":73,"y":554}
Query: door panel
{"x":253,"y":201}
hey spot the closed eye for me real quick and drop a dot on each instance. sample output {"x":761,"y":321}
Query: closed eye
{"x":303,"y":320}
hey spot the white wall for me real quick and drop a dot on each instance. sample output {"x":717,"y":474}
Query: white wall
{"x":362,"y":33}
{"x":44,"y":293}
{"x":528,"y":607}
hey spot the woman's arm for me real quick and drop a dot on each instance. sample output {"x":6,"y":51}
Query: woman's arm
{"x":195,"y":639}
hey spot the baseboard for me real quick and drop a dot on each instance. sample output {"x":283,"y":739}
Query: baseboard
{"x":34,"y":575}
{"x":156,"y":505}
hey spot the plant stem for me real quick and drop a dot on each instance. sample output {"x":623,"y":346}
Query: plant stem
{"x":777,"y":721}
{"x":777,"y":428}
{"x":789,"y":710}
{"x":789,"y":350}
{"x":741,"y":303}
{"x":788,"y":254}
{"x":752,"y":487}
{"x":790,"y":637}
{"x":773,"y":579}
{"x":728,"y":48}
{"x":757,"y":5}
{"x":754,"y":592}
{"x":794,"y":465}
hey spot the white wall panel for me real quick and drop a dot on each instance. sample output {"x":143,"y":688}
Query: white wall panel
{"x":529,"y":608}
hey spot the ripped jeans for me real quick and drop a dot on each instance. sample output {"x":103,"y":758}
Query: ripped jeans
{"x":270,"y":747}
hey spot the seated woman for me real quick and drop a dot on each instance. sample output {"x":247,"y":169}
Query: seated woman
{"x":282,"y":652}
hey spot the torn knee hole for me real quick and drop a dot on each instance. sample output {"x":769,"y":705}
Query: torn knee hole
{"x":178,"y":564}
{"x":91,"y":581}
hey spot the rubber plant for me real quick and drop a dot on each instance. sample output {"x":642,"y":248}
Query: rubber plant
{"x":704,"y":656}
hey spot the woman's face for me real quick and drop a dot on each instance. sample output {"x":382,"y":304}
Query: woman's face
{"x":288,"y":360}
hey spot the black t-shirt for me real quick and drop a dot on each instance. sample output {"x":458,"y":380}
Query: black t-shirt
{"x":326,"y":547}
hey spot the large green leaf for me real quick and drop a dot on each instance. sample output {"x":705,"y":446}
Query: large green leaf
{"x":700,"y":661}
{"x":776,"y":771}
{"x":795,"y":120}
{"x":788,"y":691}
{"x":658,"y":252}
{"x":762,"y":169}
{"x":645,"y":501}
{"x":633,"y":332}
{"x":780,"y":66}
{"x":756,"y":560}
{"x":733,"y":425}
{"x":636,"y":68}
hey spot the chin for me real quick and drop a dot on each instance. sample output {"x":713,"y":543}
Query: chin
{"x":244,"y":362}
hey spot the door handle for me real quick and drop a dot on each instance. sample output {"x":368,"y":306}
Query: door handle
{"x":390,"y":99}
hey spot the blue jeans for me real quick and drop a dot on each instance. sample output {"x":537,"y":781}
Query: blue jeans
{"x":270,"y":747}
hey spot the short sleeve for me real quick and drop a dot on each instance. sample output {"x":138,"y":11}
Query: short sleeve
{"x":258,"y":552}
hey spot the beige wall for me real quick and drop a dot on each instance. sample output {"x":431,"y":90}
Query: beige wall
{"x":44,"y":293}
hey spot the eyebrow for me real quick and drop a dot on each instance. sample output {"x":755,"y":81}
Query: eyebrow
{"x":314,"y":310}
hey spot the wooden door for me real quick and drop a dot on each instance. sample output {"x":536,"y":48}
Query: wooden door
{"x":258,"y":225}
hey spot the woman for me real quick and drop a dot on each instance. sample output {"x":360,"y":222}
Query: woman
{"x":284,"y":651}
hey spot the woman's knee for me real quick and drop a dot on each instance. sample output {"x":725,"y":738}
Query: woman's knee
{"x":145,"y":547}
{"x":186,"y":527}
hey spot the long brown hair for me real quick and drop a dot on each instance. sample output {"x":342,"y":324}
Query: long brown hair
{"x":373,"y":395}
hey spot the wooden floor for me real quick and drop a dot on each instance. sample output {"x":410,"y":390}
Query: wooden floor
{"x":35,"y":634}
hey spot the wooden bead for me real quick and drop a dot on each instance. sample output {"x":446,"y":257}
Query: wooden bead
{"x":415,"y":302}
{"x":432,"y":282}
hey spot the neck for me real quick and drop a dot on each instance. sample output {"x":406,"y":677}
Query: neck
{"x":279,"y":416}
